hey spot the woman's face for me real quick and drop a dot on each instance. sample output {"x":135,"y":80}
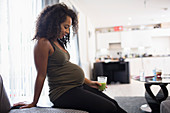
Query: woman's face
{"x":65,"y":26}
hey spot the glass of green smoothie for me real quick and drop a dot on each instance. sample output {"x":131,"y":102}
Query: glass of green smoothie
{"x":102,"y":80}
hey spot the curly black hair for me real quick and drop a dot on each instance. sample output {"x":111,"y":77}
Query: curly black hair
{"x":50,"y":19}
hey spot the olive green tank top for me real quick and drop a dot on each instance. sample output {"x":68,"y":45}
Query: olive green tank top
{"x":62,"y":74}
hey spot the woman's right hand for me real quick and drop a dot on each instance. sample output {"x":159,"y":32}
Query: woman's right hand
{"x":24,"y":105}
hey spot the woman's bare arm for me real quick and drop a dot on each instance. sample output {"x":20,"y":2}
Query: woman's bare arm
{"x":41,"y":53}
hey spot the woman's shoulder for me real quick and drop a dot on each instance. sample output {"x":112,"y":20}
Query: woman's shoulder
{"x":43,"y":42}
{"x":43,"y":45}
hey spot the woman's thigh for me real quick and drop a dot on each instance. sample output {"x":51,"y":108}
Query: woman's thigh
{"x":100,"y":93}
{"x":79,"y":98}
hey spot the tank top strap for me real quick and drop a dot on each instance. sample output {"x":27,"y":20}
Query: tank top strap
{"x":53,"y":45}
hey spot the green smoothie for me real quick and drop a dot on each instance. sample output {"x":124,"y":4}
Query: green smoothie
{"x":102,"y":87}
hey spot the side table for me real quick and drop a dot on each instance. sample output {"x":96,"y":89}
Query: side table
{"x":154,"y":101}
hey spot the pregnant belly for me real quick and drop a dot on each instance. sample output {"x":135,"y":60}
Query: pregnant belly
{"x":67,"y":74}
{"x":74,"y":72}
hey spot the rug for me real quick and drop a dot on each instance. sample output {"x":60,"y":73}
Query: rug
{"x":131,"y":104}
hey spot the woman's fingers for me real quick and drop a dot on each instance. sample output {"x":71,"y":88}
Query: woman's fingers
{"x":19,"y":104}
{"x":27,"y":106}
{"x":24,"y":107}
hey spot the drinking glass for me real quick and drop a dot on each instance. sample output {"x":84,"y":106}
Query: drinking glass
{"x":102,"y":80}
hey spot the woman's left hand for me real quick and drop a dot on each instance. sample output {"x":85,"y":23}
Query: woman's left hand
{"x":93,"y":84}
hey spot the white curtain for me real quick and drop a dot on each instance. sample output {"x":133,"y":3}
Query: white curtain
{"x":49,"y":2}
{"x":17,"y":28}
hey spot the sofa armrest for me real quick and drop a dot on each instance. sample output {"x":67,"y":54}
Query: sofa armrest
{"x":4,"y":101}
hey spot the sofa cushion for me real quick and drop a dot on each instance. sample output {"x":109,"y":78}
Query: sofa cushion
{"x":165,"y":106}
{"x":45,"y":110}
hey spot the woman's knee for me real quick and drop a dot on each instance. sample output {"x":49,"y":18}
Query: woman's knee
{"x":112,"y":108}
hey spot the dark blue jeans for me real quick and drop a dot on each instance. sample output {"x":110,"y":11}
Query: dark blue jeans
{"x":88,"y":99}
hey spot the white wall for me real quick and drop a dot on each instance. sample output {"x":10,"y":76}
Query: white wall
{"x":148,"y":64}
{"x":160,"y":45}
{"x":91,"y":44}
{"x":83,"y":43}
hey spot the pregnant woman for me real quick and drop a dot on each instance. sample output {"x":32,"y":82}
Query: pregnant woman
{"x":68,"y":86}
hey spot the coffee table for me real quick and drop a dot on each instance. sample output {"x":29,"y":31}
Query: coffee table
{"x":154,"y":101}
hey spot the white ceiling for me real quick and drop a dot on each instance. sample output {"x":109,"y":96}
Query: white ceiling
{"x":109,"y":13}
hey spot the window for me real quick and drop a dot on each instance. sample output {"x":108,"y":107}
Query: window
{"x":17,"y":22}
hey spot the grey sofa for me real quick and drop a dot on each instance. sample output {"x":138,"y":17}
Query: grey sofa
{"x":5,"y":106}
{"x":165,"y":106}
{"x":45,"y":110}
